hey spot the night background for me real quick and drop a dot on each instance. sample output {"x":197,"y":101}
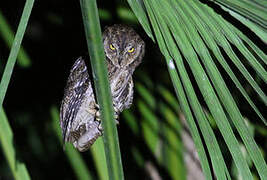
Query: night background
{"x":53,"y":40}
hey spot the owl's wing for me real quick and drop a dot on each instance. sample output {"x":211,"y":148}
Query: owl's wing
{"x":77,"y":84}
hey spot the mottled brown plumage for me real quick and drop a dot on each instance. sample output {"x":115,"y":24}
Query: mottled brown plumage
{"x":79,"y":113}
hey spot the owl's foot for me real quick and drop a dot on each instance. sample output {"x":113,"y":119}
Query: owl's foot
{"x":93,"y":108}
{"x":97,"y":116}
{"x":116,"y":116}
{"x":101,"y":128}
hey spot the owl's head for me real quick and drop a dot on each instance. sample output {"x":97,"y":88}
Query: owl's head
{"x":123,"y":46}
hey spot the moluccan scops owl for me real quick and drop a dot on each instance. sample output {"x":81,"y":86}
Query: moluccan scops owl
{"x":79,"y":113}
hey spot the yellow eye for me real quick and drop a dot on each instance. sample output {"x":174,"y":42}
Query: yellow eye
{"x":131,"y":50}
{"x":111,"y":47}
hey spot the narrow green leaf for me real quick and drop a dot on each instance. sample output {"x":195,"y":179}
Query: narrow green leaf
{"x":146,"y":95}
{"x":8,"y":36}
{"x":254,"y":27}
{"x":131,"y":121}
{"x":248,"y":10}
{"x":18,"y":169}
{"x":172,"y":144}
{"x":98,"y":152}
{"x":99,"y":69}
{"x":138,"y":9}
{"x":150,"y":126}
{"x":259,"y":52}
{"x":126,"y":14}
{"x":15,"y":49}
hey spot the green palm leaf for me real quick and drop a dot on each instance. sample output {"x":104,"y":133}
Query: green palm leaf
{"x":191,"y":34}
{"x":99,"y":69}
{"x":252,"y":14}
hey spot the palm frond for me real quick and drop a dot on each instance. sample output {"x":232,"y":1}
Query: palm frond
{"x":251,"y":13}
{"x":191,"y":34}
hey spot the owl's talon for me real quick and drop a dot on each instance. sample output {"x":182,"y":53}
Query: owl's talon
{"x":91,"y":111}
{"x":98,"y":118}
{"x":97,"y":114}
{"x":100,"y":127}
{"x":117,"y":122}
{"x":116,"y":116}
{"x":115,"y":108}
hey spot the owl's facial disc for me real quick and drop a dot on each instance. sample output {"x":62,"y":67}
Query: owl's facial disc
{"x":122,"y":45}
{"x":129,"y":53}
{"x":121,"y":55}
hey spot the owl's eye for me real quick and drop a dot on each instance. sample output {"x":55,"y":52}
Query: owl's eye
{"x":111,"y":47}
{"x":131,"y":50}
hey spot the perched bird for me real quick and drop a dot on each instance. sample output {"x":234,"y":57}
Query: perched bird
{"x":79,"y":112}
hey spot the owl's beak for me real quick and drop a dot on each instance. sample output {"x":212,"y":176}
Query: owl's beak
{"x":120,"y":59}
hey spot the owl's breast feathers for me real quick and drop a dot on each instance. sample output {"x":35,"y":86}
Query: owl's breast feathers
{"x":121,"y":86}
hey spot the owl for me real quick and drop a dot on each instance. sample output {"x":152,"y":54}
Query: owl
{"x":79,"y":112}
